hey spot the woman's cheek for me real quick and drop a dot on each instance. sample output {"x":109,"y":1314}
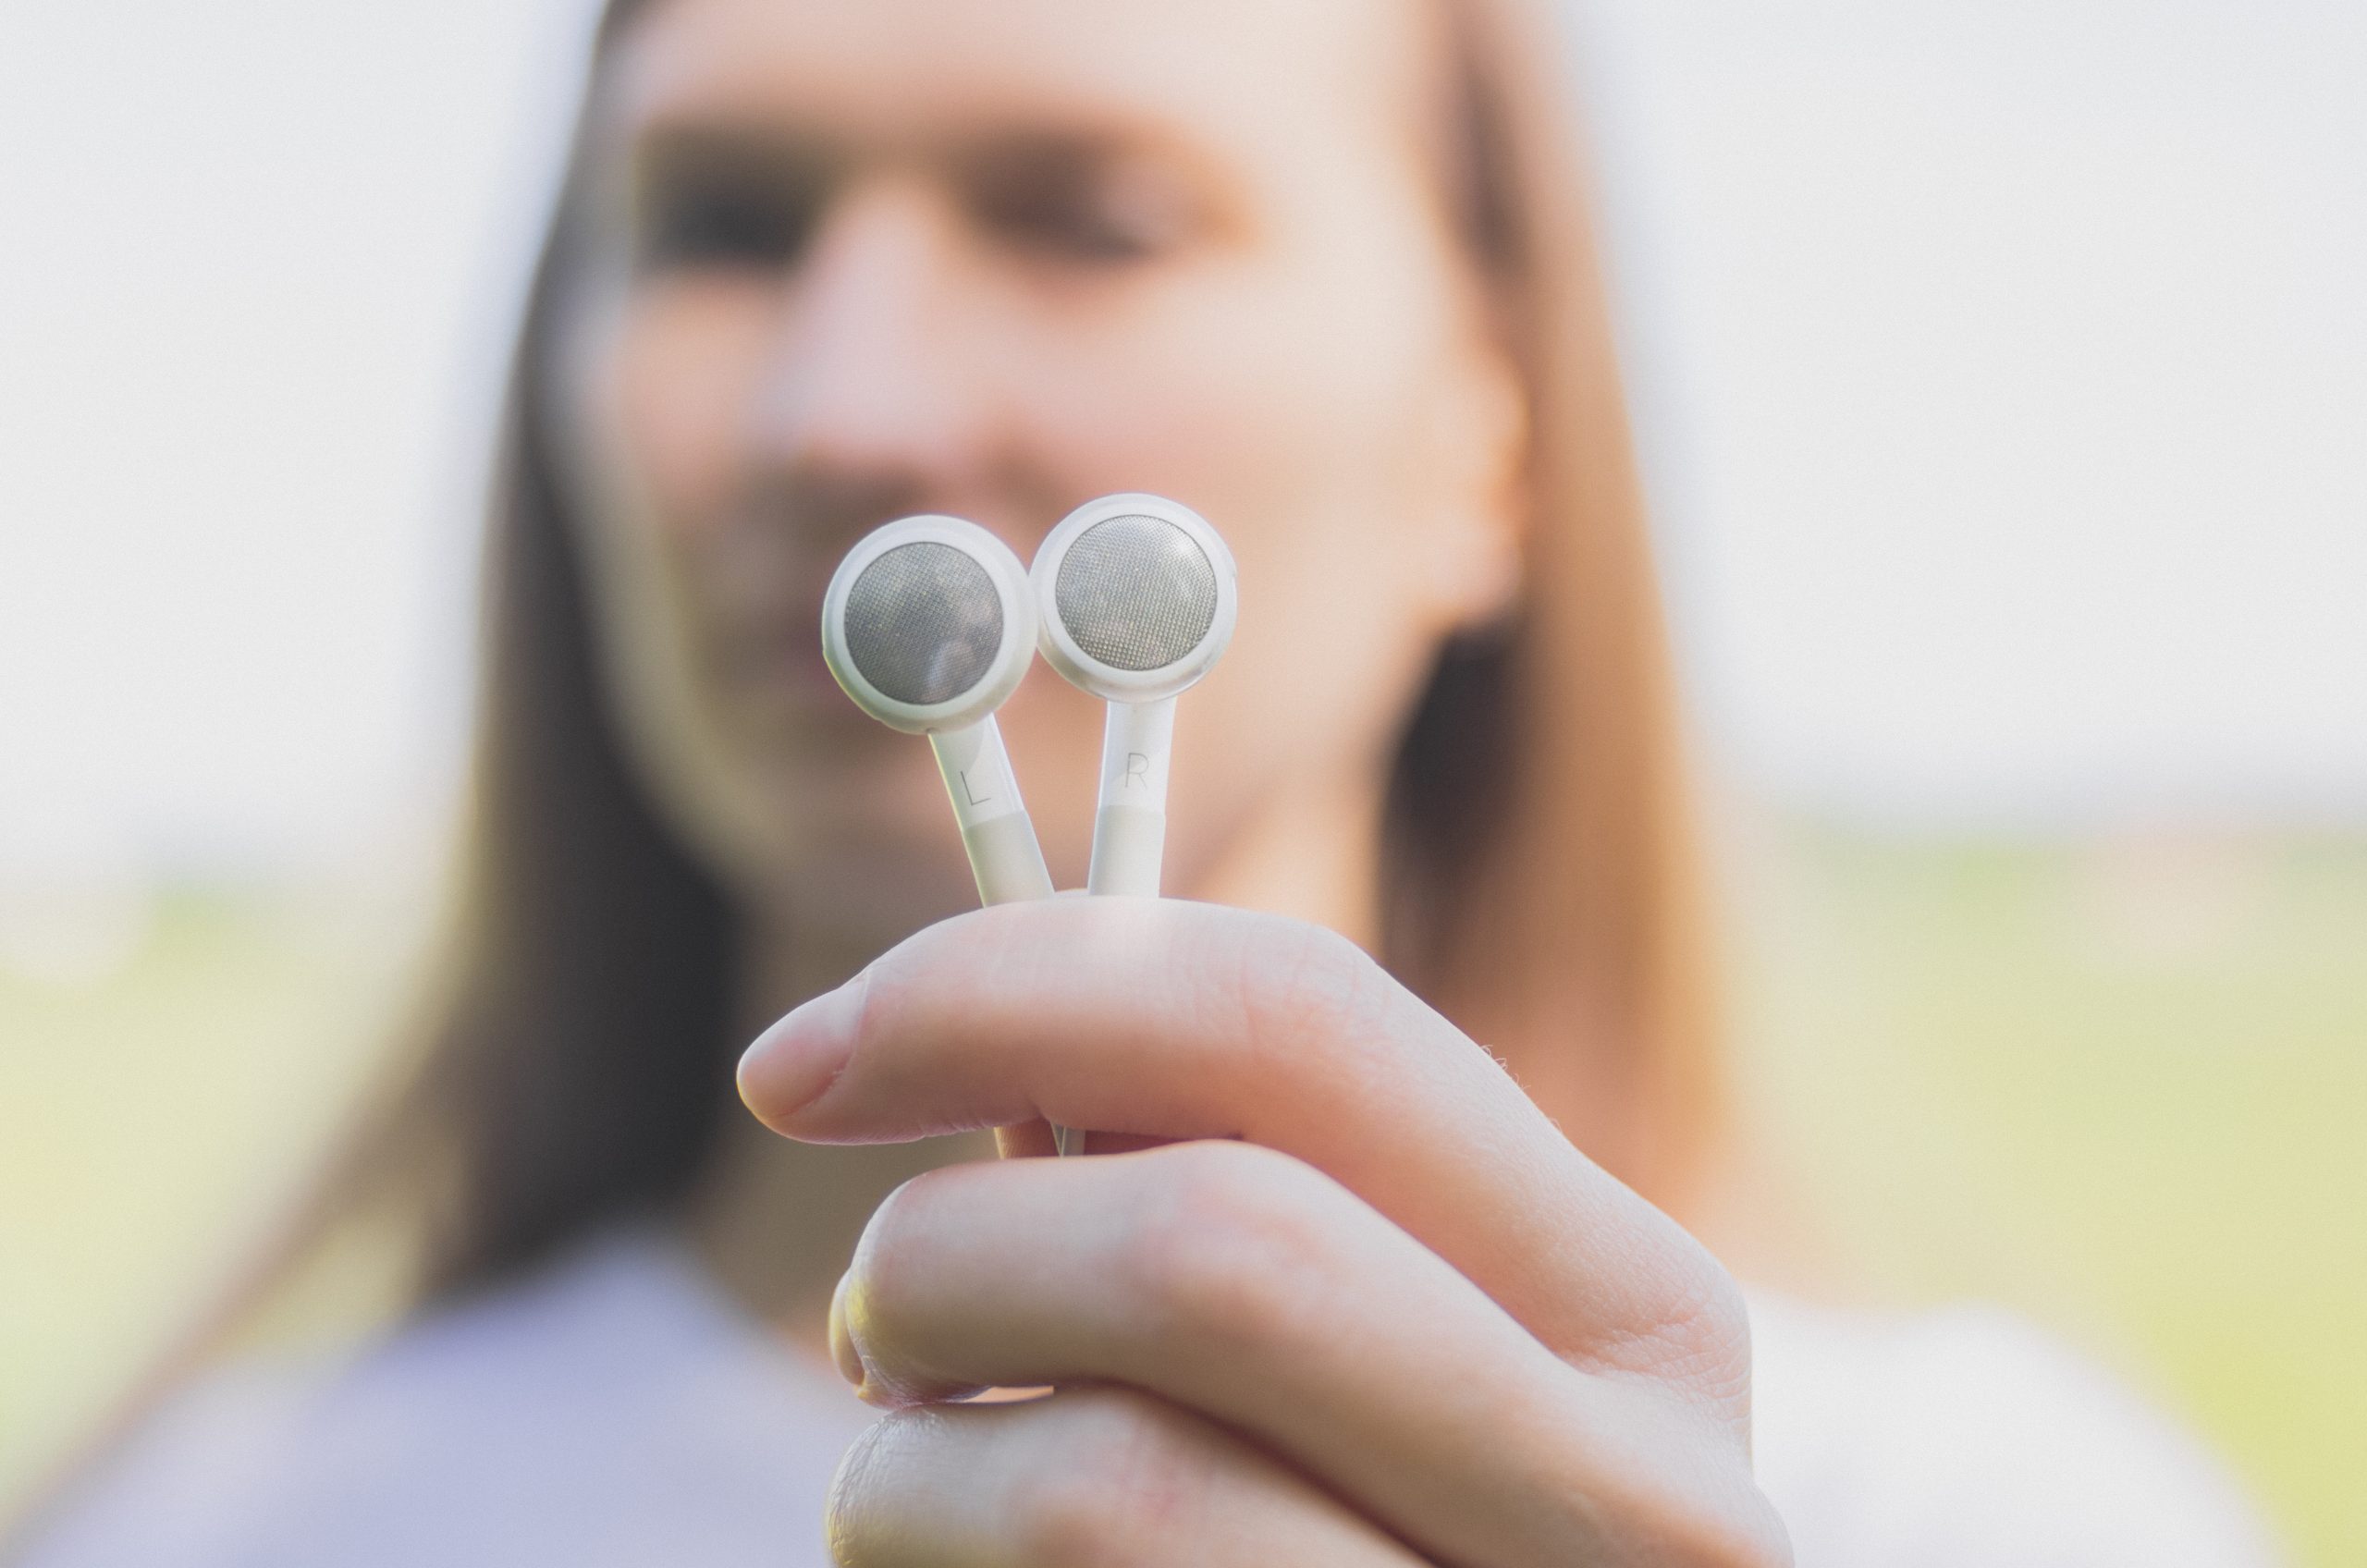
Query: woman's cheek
{"x":1214,"y":396}
{"x":1283,"y":422}
{"x":679,"y":382}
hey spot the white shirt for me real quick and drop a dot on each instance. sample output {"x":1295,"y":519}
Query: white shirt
{"x":619,"y":1409}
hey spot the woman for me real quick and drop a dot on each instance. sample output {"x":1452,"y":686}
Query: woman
{"x":1341,"y":1283}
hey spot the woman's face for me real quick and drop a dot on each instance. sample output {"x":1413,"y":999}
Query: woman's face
{"x":854,"y":259}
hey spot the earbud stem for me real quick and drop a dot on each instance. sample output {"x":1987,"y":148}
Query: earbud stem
{"x":996,"y":830}
{"x":1130,"y":828}
{"x":1004,"y":855}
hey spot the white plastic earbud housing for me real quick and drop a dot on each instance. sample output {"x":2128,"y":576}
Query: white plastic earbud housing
{"x":1137,"y":599}
{"x":1104,"y":679}
{"x":1002,"y":671}
{"x":932,"y":643}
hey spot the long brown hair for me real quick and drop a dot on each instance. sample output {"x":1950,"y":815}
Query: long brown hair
{"x":1536,"y":865}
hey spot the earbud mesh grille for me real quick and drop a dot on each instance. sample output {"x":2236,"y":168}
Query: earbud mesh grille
{"x":923,"y":622}
{"x":1136,"y":593}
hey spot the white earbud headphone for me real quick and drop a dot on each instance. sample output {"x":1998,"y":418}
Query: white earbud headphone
{"x":929,"y":624}
{"x":1137,"y":599}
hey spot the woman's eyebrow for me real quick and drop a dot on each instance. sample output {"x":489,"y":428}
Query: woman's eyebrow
{"x":999,"y":155}
{"x":984,"y":142}
{"x":705,"y":147}
{"x":985,"y":157}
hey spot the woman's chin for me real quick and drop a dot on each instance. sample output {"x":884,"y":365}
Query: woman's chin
{"x":877,"y":889}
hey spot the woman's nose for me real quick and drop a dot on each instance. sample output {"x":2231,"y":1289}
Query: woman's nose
{"x":869,"y":378}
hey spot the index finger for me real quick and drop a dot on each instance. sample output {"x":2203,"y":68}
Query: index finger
{"x":1166,"y":1019}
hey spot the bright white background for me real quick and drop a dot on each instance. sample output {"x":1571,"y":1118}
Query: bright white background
{"x":2003,"y":366}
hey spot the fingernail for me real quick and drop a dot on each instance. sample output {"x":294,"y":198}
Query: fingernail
{"x":792,"y":1062}
{"x":842,"y":1349}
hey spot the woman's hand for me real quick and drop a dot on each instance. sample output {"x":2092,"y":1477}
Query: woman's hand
{"x":1366,"y":1306}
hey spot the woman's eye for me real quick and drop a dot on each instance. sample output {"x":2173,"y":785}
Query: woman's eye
{"x":1063,"y":226}
{"x":1072,"y":210}
{"x":712,"y":223}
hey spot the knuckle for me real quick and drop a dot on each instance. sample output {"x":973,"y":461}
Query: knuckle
{"x":910,"y":987}
{"x":1722,"y":1325}
{"x":1703,"y":1342}
{"x":1298,"y":984}
{"x":1690,"y":1331}
{"x":1710,"y":1323}
{"x":1127,"y":1481}
{"x":1227,"y":1246}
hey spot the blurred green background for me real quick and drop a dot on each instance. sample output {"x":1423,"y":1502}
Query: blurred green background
{"x":2113,"y":1083}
